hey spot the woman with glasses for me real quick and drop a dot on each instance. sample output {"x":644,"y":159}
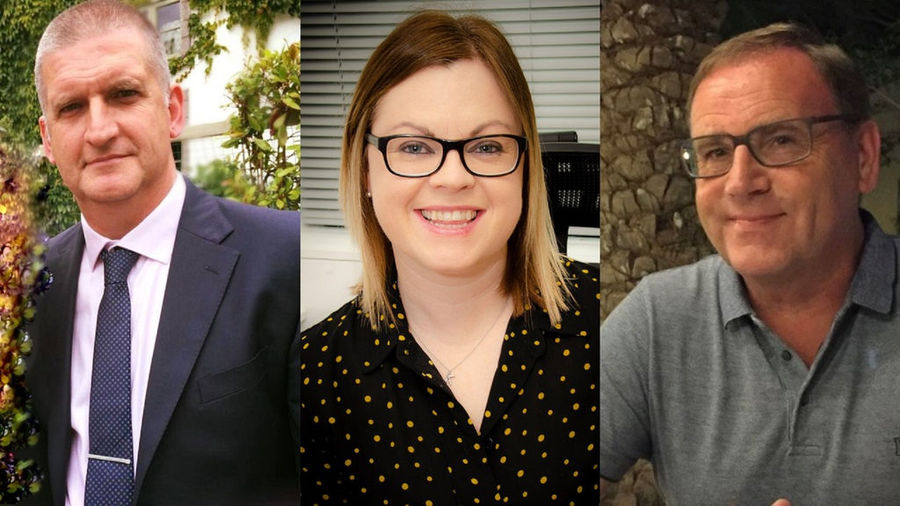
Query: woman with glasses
{"x":465,"y":371}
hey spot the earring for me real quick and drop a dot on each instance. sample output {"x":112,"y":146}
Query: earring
{"x":369,"y":194}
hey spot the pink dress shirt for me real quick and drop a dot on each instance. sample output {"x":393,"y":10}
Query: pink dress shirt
{"x":153,"y":239}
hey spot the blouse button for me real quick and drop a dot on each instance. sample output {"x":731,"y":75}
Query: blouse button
{"x":786,"y":355}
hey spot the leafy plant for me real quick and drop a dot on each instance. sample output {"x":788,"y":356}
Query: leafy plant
{"x":256,"y":15}
{"x":265,"y":130}
{"x":21,"y":276}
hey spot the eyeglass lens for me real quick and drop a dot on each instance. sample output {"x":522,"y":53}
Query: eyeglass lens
{"x":772,"y":145}
{"x":422,"y":155}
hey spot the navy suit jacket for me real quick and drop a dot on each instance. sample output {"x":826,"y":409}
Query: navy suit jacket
{"x":221,"y":418}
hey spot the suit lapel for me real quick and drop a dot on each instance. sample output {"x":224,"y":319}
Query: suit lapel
{"x":198,"y":276}
{"x":50,"y":371}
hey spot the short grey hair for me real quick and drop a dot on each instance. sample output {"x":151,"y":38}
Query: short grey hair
{"x":843,"y":78}
{"x":92,"y":18}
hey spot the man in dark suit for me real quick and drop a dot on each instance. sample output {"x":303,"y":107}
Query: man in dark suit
{"x":208,"y":402}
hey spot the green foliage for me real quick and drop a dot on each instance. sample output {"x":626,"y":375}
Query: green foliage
{"x":23,"y":23}
{"x":256,"y":15}
{"x":265,"y":130}
{"x":215,"y":177}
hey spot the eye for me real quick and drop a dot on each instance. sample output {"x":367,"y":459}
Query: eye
{"x":413,"y":147}
{"x":487,"y":148}
{"x":69,"y":108}
{"x":125,"y":93}
{"x":712,"y":149}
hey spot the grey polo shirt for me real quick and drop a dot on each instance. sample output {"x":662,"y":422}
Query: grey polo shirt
{"x":691,"y":379}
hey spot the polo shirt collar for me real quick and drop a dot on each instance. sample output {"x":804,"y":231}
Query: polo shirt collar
{"x":872,"y":286}
{"x":873,"y":283}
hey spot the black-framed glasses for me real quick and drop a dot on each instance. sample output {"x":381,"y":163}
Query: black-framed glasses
{"x":772,"y":145}
{"x":421,"y":156}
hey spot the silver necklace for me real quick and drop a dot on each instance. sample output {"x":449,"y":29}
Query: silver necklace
{"x":450,"y":374}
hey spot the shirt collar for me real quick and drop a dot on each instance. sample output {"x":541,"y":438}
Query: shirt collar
{"x":872,"y":286}
{"x":153,"y":237}
{"x":873,"y":283}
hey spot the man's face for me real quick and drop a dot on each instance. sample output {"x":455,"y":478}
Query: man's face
{"x":775,"y":223}
{"x":107,"y":125}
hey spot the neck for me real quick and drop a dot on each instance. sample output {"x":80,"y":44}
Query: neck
{"x":115,"y":219}
{"x":800,"y":309}
{"x":450,"y":307}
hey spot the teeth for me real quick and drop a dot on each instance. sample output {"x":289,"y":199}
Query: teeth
{"x":457,"y":215}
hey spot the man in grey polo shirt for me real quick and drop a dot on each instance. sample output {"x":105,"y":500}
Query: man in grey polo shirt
{"x":770,"y":370}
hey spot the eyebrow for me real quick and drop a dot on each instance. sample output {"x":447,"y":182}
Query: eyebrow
{"x":429,"y":133}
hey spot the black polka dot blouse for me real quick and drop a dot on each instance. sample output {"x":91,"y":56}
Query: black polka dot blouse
{"x":380,"y":426}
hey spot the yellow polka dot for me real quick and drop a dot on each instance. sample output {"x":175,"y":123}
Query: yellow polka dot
{"x":587,"y":366}
{"x":566,"y":352}
{"x":410,"y":449}
{"x":576,"y":406}
{"x":331,"y":420}
{"x":474,"y":481}
{"x":376,"y":438}
{"x":571,"y":434}
{"x":381,"y":478}
{"x":543,"y":480}
{"x":348,"y":462}
{"x":367,"y":398}
{"x":520,"y":473}
{"x":487,"y":413}
{"x":409,"y":423}
{"x":404,"y":486}
{"x":541,"y":395}
{"x":541,"y":438}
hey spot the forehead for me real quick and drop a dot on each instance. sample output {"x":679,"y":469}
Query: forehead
{"x":757,"y":89}
{"x":447,"y":97}
{"x":122,"y":52}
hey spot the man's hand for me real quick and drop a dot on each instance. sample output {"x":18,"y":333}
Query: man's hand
{"x":781,"y":502}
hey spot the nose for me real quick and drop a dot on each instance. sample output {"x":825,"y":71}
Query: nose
{"x":452,"y":174}
{"x":101,"y":126}
{"x":746,"y":176}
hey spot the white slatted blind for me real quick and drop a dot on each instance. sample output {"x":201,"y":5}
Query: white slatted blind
{"x":557,"y":43}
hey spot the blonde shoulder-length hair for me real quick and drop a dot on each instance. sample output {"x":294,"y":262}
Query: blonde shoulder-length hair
{"x":534,"y":273}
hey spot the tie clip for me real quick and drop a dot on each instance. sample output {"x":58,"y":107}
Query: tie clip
{"x":109,"y":459}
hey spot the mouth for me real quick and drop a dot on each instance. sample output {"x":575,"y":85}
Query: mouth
{"x":756,"y":218}
{"x":449,"y":219}
{"x":104,"y":159}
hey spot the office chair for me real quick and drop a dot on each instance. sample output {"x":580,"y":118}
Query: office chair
{"x":572,"y":172}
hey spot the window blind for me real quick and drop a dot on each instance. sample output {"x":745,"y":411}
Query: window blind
{"x":557,"y":43}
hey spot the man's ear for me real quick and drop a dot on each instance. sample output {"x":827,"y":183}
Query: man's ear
{"x":868,"y":140}
{"x":45,"y":139}
{"x":176,"y":110}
